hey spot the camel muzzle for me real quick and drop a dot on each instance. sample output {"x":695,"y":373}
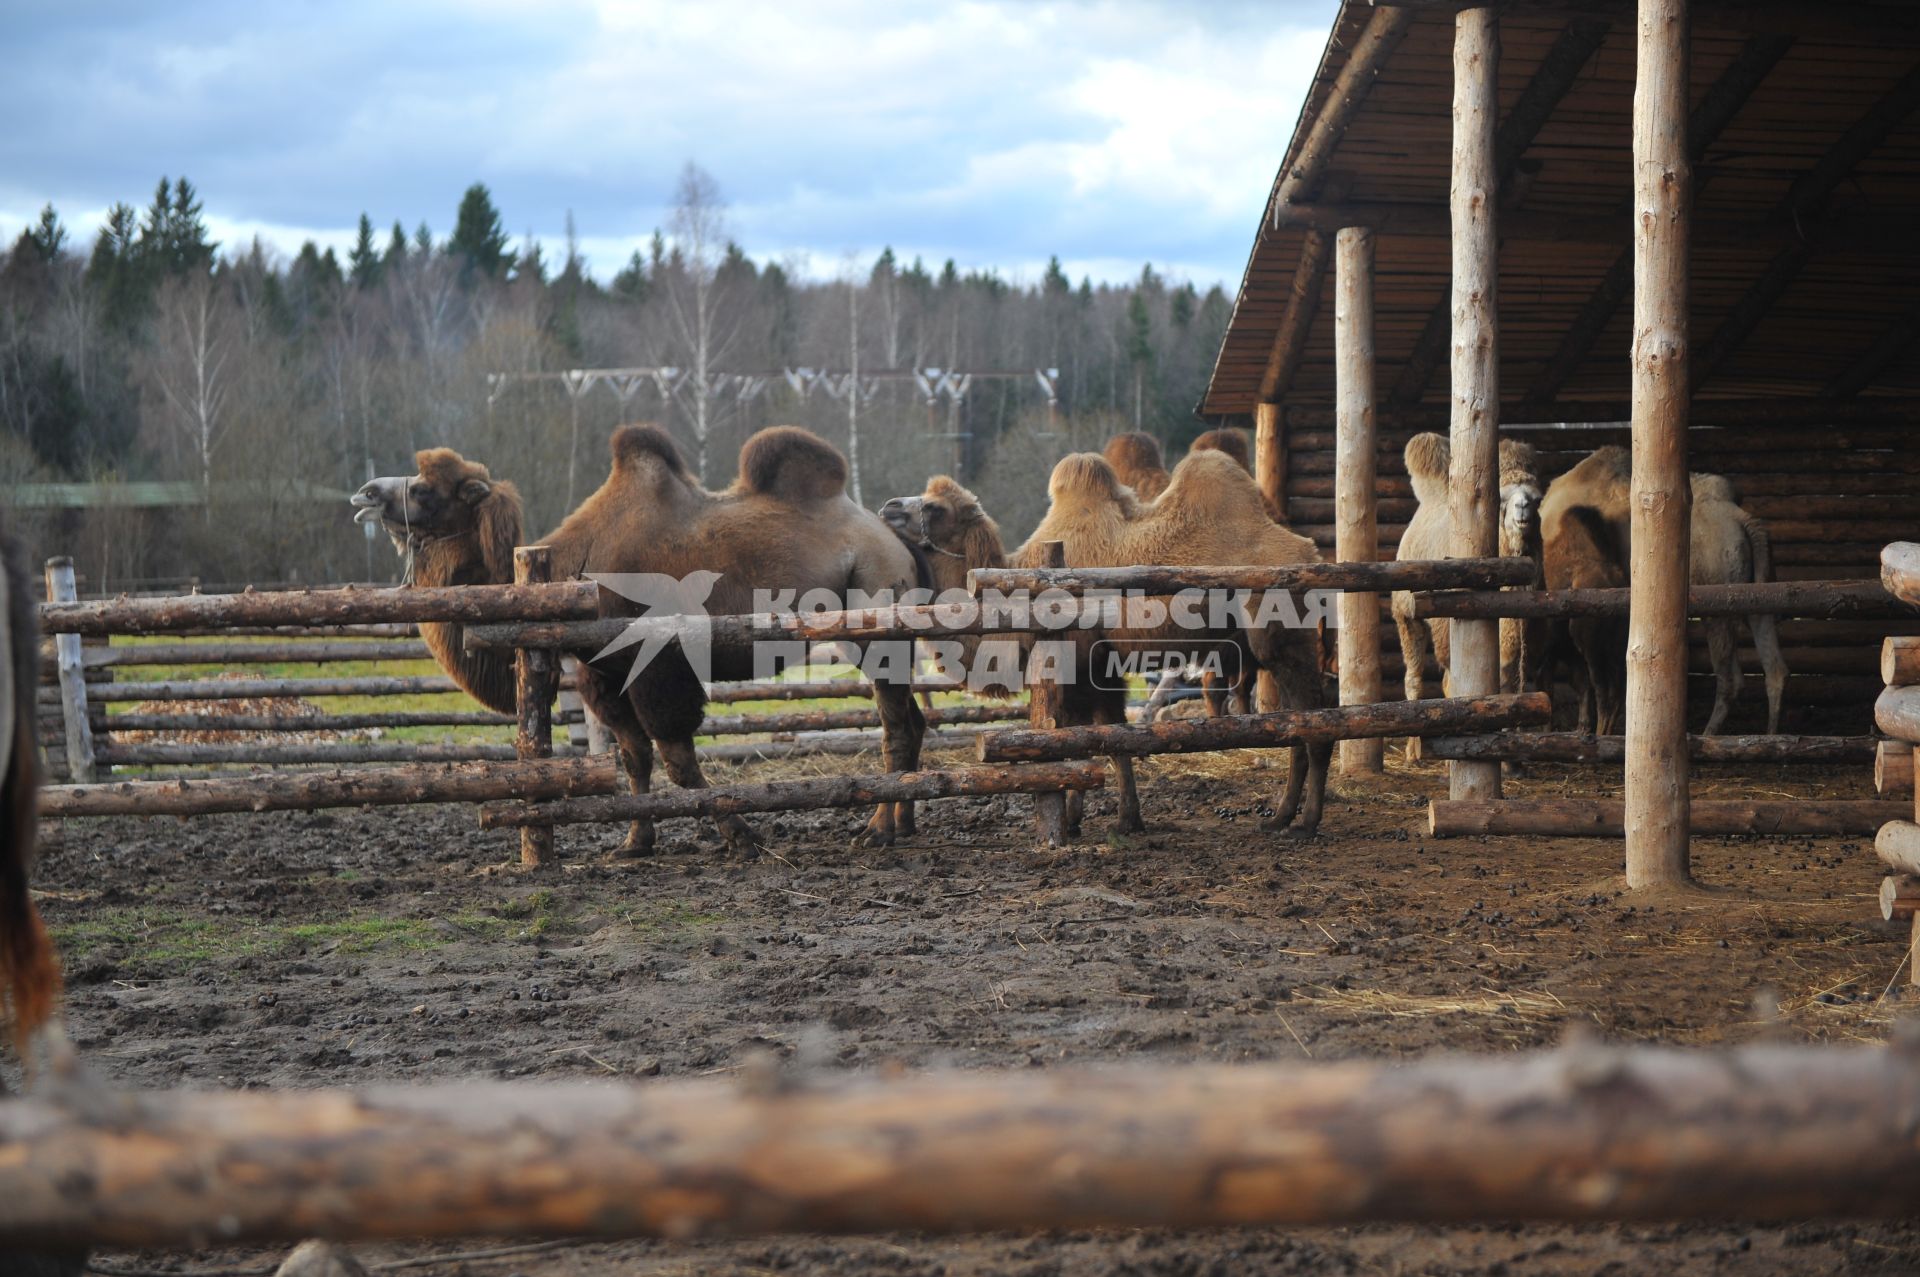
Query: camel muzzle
{"x":371,"y":502}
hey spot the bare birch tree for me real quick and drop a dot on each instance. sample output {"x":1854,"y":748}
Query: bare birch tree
{"x":193,"y":343}
{"x":706,"y":322}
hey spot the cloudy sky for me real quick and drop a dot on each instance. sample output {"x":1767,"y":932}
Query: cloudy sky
{"x":995,"y":133}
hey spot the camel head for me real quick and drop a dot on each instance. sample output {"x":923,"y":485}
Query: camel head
{"x":1520,"y":490}
{"x":1136,"y":458}
{"x":452,"y":505}
{"x":950,"y":524}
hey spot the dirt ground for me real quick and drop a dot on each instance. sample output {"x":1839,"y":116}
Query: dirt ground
{"x":335,"y":948}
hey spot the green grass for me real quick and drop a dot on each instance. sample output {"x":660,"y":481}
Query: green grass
{"x":156,"y":935}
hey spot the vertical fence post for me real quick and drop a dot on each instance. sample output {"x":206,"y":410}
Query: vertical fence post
{"x":533,"y":688}
{"x":1473,"y":480}
{"x":1270,"y":456}
{"x":1046,"y":698}
{"x":61,"y":588}
{"x":1355,"y":466}
{"x":1657,"y":759}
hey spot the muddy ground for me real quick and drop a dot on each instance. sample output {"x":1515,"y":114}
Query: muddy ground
{"x":327,"y":949}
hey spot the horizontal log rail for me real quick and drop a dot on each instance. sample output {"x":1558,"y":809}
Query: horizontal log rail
{"x":1412,"y":574}
{"x":1582,"y":1133}
{"x":718,"y":725}
{"x":1268,"y":731}
{"x":1840,"y":599}
{"x":1577,"y":747}
{"x":1606,"y":818}
{"x":568,"y":600}
{"x":913,"y":621}
{"x":307,"y":791}
{"x":169,"y":754}
{"x":808,"y":794}
{"x":310,"y":652}
{"x":226,"y":689}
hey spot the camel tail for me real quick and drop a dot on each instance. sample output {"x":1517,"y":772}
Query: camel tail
{"x":1761,"y":545}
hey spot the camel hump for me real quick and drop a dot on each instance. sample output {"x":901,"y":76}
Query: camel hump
{"x":792,"y":464}
{"x":1714,"y":487}
{"x":1134,"y":451}
{"x":1598,"y":530}
{"x":634,"y":445}
{"x":1428,"y":456}
{"x":1230,"y":440}
{"x":1085,"y":475}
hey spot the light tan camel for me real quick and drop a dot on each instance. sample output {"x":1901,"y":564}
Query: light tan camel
{"x":1429,"y":535}
{"x":1210,"y":514}
{"x":1583,"y":532}
{"x":1728,"y":546}
{"x":785,"y":524}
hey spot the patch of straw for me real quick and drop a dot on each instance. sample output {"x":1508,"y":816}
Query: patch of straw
{"x":1527,"y":1006}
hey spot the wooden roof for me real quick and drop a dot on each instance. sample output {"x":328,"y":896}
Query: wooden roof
{"x":1806,"y":250}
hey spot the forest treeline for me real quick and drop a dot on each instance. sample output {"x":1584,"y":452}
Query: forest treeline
{"x":274,"y":384}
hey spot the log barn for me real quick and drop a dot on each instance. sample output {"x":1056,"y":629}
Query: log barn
{"x":1802,"y":302}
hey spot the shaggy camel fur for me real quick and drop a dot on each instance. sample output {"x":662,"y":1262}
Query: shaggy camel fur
{"x":29,"y":971}
{"x":1584,"y":522}
{"x":956,"y":533}
{"x":1211,"y":513}
{"x":1728,"y":546}
{"x":1429,"y":535}
{"x":1137,"y":459}
{"x":785,"y":524}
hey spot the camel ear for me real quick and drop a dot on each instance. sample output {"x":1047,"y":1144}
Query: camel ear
{"x":473,"y":491}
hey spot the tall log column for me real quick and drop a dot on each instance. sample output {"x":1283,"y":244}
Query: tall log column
{"x":1046,"y":704}
{"x":1473,"y":482}
{"x":1356,"y":522}
{"x":1269,"y":456}
{"x":1656,"y":764}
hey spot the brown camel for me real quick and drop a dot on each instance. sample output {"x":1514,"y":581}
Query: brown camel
{"x":786,"y":524}
{"x":1211,"y":513}
{"x":29,"y":971}
{"x":1136,"y":458}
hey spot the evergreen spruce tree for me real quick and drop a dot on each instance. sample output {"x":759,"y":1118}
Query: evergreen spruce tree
{"x":46,"y":237}
{"x":633,"y":281}
{"x":479,"y":240}
{"x":364,"y":261}
{"x":396,"y":254}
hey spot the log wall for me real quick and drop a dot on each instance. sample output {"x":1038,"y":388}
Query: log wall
{"x":1831,"y":498}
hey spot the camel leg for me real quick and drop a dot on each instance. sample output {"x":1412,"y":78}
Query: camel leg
{"x":1766,"y":641}
{"x":1413,"y":655}
{"x":1214,"y":689}
{"x":683,"y":766}
{"x":603,"y":698}
{"x":1726,"y":672}
{"x":903,"y":728}
{"x":1298,"y":812}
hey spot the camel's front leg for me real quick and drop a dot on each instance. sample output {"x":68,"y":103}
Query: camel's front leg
{"x":903,"y":727}
{"x":1113,"y":709}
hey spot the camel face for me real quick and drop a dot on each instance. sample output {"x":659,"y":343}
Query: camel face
{"x":925,"y":521}
{"x":412,"y":508}
{"x":1519,"y":507}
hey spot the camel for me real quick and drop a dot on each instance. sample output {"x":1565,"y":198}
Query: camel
{"x":785,"y":524}
{"x":1728,"y":546}
{"x":956,"y":534}
{"x":1429,"y":535}
{"x":29,"y":970}
{"x":1211,"y":513}
{"x":1228,"y":439}
{"x":1136,"y":458}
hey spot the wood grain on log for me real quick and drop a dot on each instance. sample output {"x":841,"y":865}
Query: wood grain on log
{"x":1269,"y":731}
{"x":307,"y":791}
{"x":535,"y":683}
{"x":1899,"y":897}
{"x":1842,"y":599}
{"x":1577,"y":747}
{"x":268,"y":653}
{"x":352,"y":606}
{"x":1897,"y":713}
{"x":1046,"y":707}
{"x":1897,"y":843}
{"x":1584,"y":1133}
{"x":1900,"y":660}
{"x":1900,"y":571}
{"x":811,"y":793}
{"x":1606,"y":818}
{"x":81,"y":753}
{"x":1893,"y":766}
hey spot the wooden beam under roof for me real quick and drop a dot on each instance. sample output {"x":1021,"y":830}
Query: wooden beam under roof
{"x":1881,"y":230}
{"x":1886,"y":351}
{"x":1556,"y":74}
{"x":1810,"y":191}
{"x":1717,"y":109}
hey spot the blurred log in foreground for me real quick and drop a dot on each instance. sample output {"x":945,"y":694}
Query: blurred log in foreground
{"x":1582,"y":1133}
